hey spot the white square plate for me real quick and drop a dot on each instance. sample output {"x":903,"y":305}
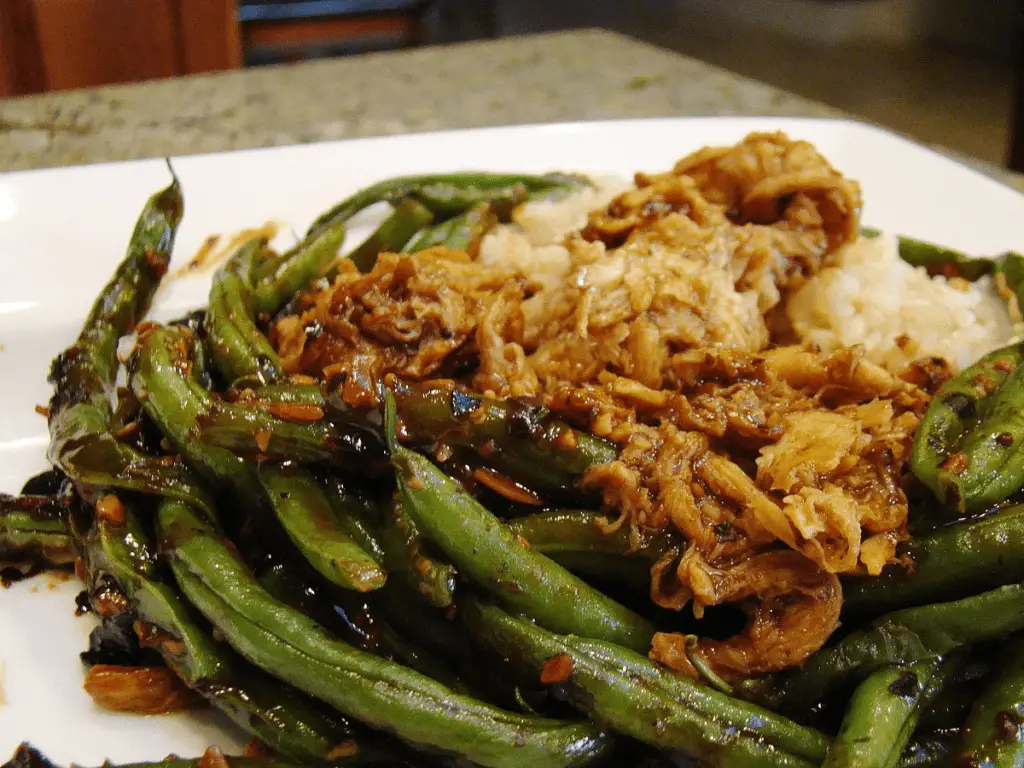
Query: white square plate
{"x":62,"y":231}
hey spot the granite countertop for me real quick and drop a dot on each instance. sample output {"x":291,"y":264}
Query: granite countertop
{"x":578,"y":75}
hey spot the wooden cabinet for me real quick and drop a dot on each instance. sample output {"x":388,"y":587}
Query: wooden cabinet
{"x":61,"y":44}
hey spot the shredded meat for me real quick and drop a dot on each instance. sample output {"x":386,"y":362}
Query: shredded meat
{"x":792,"y":607}
{"x":410,"y":315}
{"x":655,"y":327}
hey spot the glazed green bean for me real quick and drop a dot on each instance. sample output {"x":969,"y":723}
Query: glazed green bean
{"x":522,"y":441}
{"x":407,"y":557}
{"x":463,"y":232}
{"x":84,"y":375}
{"x":566,"y":531}
{"x":33,"y":530}
{"x":994,"y":732}
{"x":929,"y":751}
{"x":374,"y":690}
{"x":966,"y":449}
{"x":120,"y":549}
{"x":643,"y":700}
{"x":295,"y":269}
{"x":883,"y":713}
{"x":486,"y":551}
{"x":239,"y":348}
{"x":398,"y":229}
{"x":938,"y":260}
{"x":308,"y":518}
{"x":948,"y":563}
{"x":544,"y":454}
{"x":449,"y":194}
{"x":174,"y":401}
{"x":902,"y":637}
{"x":251,"y":430}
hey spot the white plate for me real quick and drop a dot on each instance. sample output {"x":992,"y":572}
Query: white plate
{"x":63,"y":230}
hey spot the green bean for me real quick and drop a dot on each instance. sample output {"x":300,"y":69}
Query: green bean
{"x":575,"y":540}
{"x":966,"y":447}
{"x":298,"y":502}
{"x":883,"y":713}
{"x":947,"y":262}
{"x":121,"y":550}
{"x":33,"y":530}
{"x":929,"y":751}
{"x":579,"y":532}
{"x":359,"y":622}
{"x":640,"y":699}
{"x":1010,"y":270}
{"x":250,"y":430}
{"x":82,"y":445}
{"x":175,"y":403}
{"x":407,"y":218}
{"x":950,"y":709}
{"x":994,"y":732}
{"x":357,"y":516}
{"x":174,"y":400}
{"x":948,"y":563}
{"x":462,"y":233}
{"x":239,"y":296}
{"x":486,"y":551}
{"x":27,"y":757}
{"x":88,"y":369}
{"x":449,"y":194}
{"x":309,"y":519}
{"x":544,"y":454}
{"x":376,"y":691}
{"x":239,"y":348}
{"x":84,"y":375}
{"x":296,"y":269}
{"x":406,"y":557}
{"x":522,"y":441}
{"x":938,"y":260}
{"x":254,"y":392}
{"x":902,"y":637}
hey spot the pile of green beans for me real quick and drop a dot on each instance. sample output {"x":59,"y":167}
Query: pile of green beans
{"x":345,"y":601}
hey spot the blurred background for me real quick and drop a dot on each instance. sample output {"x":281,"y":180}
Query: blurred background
{"x":943,"y":71}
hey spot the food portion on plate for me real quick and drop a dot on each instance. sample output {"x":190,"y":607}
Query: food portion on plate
{"x":556,"y":471}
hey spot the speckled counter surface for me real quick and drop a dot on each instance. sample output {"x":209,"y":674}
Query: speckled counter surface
{"x":579,"y":75}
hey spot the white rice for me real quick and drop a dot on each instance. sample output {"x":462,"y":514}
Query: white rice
{"x":872,"y":298}
{"x":897,"y":312}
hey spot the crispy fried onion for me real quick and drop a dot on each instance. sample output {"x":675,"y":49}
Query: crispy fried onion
{"x":792,"y":607}
{"x":139,"y":690}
